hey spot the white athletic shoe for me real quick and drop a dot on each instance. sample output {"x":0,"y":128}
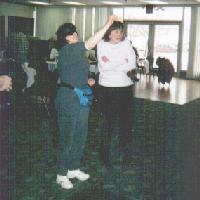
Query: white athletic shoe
{"x":64,"y":182}
{"x":80,"y":175}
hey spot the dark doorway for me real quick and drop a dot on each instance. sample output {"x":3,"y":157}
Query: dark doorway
{"x":20,"y":24}
{"x":2,"y":32}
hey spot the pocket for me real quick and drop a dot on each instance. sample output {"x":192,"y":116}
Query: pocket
{"x":84,"y":95}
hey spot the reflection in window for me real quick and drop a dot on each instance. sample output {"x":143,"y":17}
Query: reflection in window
{"x":182,"y":14}
{"x":138,"y":35}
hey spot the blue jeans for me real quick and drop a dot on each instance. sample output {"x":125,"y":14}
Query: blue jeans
{"x":73,"y":129}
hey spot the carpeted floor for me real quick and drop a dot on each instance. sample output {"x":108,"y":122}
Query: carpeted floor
{"x":156,"y":170}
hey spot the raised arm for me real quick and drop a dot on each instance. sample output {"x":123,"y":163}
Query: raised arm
{"x":92,"y":41}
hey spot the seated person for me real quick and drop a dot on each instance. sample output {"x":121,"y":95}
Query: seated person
{"x":52,"y":63}
{"x":165,"y":70}
{"x":150,"y":60}
{"x":30,"y":73}
{"x":92,"y":60}
{"x":54,"y":54}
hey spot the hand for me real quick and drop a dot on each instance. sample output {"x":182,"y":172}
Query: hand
{"x":105,"y":59}
{"x":5,"y":83}
{"x":113,"y":18}
{"x":91,"y":82}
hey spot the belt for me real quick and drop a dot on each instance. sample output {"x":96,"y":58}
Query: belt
{"x":62,"y":84}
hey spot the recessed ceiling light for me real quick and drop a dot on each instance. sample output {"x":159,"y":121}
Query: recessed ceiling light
{"x":74,"y":3}
{"x":111,"y":2}
{"x":39,"y":3}
{"x":155,"y":2}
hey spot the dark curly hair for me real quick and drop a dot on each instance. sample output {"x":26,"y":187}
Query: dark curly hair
{"x":63,"y":31}
{"x":116,"y":25}
{"x":165,"y":70}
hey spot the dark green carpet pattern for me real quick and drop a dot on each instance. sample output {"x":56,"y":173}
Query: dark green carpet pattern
{"x":154,"y":172}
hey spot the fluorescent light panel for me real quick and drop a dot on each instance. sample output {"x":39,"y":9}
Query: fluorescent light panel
{"x":74,"y":3}
{"x":111,"y":2}
{"x":155,"y":2}
{"x":39,"y":3}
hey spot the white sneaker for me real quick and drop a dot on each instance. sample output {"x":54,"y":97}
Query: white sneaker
{"x":64,"y":182}
{"x":80,"y":175}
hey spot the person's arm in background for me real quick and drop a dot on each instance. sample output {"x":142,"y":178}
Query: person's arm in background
{"x":5,"y":83}
{"x":92,"y":41}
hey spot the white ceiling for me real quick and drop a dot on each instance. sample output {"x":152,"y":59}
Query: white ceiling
{"x":122,"y":2}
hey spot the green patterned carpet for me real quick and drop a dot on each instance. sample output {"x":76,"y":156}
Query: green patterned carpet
{"x":155,"y":170}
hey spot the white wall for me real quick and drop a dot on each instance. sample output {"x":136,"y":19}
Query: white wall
{"x":9,"y":9}
{"x":49,"y":19}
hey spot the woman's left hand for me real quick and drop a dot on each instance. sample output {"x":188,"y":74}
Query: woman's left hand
{"x":105,"y":59}
{"x":91,"y":82}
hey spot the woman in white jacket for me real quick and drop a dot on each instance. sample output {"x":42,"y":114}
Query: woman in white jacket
{"x":115,"y":58}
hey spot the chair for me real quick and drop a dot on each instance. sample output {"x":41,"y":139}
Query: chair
{"x":152,"y":71}
{"x":141,"y":66}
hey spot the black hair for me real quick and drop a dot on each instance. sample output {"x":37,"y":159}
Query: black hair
{"x":115,"y":25}
{"x":63,"y":31}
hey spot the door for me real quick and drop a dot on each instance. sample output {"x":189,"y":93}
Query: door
{"x":156,"y":39}
{"x":138,"y":34}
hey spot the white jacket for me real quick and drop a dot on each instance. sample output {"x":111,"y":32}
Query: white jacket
{"x":121,"y":56}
